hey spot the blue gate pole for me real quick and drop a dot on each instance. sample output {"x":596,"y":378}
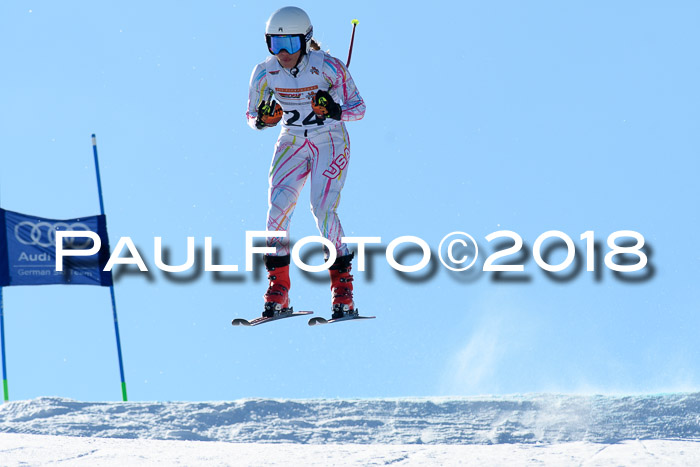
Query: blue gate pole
{"x":111,"y":287}
{"x":2,"y":344}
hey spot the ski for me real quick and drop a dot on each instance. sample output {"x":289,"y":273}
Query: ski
{"x":263,"y":319}
{"x":318,"y":320}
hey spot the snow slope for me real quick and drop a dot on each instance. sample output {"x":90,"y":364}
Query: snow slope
{"x":554,"y":429}
{"x":36,"y":450}
{"x":478,"y":420}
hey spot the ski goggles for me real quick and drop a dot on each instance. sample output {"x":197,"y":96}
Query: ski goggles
{"x":292,"y":44}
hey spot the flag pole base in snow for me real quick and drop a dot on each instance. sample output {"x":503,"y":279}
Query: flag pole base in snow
{"x":2,"y":344}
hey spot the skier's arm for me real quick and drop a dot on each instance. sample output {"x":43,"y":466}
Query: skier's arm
{"x":258,"y":91}
{"x":338,"y":76}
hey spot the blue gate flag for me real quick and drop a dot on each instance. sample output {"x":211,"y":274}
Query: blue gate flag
{"x":28,"y":251}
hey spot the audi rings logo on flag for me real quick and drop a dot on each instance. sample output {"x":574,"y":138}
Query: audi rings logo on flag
{"x":43,"y":234}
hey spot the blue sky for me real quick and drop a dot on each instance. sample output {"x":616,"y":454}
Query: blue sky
{"x":480,"y":117}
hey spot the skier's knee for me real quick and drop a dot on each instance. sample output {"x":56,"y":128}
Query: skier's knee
{"x":320,"y":210}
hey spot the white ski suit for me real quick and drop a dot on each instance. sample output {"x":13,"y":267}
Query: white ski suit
{"x":307,"y":145}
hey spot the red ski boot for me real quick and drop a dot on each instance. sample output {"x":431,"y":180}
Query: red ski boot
{"x":341,"y":285}
{"x":277,"y":295}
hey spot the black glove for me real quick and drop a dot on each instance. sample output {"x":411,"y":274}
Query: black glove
{"x":269,"y":114}
{"x":324,"y":106}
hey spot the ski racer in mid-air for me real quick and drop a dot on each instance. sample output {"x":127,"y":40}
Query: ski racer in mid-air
{"x":312,"y":94}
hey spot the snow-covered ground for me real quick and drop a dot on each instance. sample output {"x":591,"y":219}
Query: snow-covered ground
{"x":33,"y":450}
{"x":530,"y":429}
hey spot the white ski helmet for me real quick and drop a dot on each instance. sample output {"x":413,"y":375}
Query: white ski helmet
{"x":290,"y":21}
